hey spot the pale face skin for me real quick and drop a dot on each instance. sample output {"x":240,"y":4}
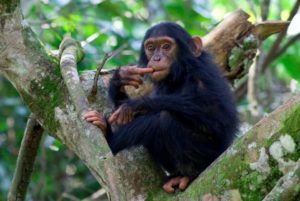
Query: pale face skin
{"x":161,"y":53}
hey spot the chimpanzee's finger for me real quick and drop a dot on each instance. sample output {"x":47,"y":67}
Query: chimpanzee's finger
{"x":126,"y":117}
{"x":100,"y":124}
{"x":122,"y":116}
{"x":131,"y":83}
{"x":93,"y":118}
{"x":140,"y":71}
{"x":136,"y":78}
{"x":92,"y":113}
{"x":119,"y":120}
{"x":113,"y":117}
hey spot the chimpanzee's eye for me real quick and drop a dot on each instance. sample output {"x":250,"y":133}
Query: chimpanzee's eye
{"x":150,"y":47}
{"x":166,"y":46}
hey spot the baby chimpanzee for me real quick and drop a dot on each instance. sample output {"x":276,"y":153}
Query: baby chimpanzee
{"x":190,"y":117}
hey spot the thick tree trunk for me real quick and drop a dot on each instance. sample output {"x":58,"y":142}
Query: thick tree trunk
{"x":249,"y":170}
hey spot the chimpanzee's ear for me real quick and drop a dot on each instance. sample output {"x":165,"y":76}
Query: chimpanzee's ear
{"x":198,"y":46}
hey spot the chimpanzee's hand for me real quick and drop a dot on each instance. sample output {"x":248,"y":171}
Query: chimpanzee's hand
{"x":96,"y":118}
{"x":133,"y":75}
{"x":123,"y":115}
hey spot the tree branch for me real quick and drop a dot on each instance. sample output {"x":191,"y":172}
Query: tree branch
{"x":270,"y":56}
{"x":287,"y":187}
{"x":238,"y":48}
{"x":252,"y":90}
{"x":291,"y":41}
{"x":265,"y":8}
{"x":27,"y":154}
{"x":71,"y":53}
{"x":107,"y":56}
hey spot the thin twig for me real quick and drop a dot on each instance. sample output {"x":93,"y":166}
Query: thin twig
{"x":69,"y":197}
{"x":98,"y":195}
{"x":253,"y":78}
{"x":107,"y":56}
{"x":265,"y":8}
{"x":286,"y":45}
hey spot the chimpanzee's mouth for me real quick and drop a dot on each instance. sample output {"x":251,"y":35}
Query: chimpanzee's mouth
{"x":157,"y":70}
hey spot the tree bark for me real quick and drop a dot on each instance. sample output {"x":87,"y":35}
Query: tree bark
{"x":48,"y":91}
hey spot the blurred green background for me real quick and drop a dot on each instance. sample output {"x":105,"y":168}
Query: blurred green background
{"x":103,"y":26}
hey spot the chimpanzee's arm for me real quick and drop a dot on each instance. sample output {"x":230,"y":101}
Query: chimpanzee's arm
{"x":115,"y":89}
{"x":214,"y":117}
{"x":184,"y":106}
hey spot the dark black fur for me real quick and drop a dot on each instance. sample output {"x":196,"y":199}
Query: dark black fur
{"x":190,"y":118}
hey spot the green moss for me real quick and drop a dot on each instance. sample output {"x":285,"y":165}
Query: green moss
{"x":157,"y":194}
{"x":48,"y":98}
{"x":291,"y":126}
{"x":248,"y":186}
{"x":250,"y":42}
{"x":239,"y":54}
{"x":32,"y":43}
{"x":253,"y":185}
{"x":247,"y":63}
{"x":10,"y":5}
{"x":47,"y":91}
{"x":274,"y":174}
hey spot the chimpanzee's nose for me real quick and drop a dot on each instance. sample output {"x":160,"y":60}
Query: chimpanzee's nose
{"x":156,"y":58}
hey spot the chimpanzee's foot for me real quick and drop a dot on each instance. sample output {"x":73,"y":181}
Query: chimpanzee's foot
{"x":181,"y":182}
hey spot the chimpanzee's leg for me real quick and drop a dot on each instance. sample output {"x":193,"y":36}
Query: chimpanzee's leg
{"x":184,"y":153}
{"x":147,"y":130}
{"x":140,"y":130}
{"x":181,"y":151}
{"x":178,"y":149}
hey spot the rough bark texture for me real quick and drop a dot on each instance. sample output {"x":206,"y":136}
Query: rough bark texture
{"x":246,"y":171}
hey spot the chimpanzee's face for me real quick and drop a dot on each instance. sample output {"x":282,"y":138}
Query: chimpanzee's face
{"x":161,"y":52}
